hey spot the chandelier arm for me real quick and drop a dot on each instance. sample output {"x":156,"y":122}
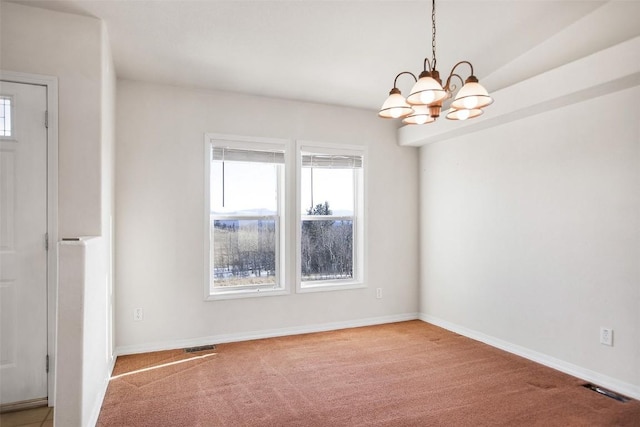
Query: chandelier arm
{"x":395,"y":81}
{"x":427,"y":62}
{"x":456,"y":66}
{"x":448,"y":86}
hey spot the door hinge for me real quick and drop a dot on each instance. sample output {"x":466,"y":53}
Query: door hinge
{"x":46,"y":241}
{"x":47,"y":366}
{"x":46,"y":119}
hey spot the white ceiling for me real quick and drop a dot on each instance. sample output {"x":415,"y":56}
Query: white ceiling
{"x":335,"y":52}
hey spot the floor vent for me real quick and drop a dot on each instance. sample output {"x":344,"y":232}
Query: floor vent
{"x":200,"y":348}
{"x":608,"y":393}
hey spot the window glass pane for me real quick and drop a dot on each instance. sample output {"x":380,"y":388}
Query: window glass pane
{"x":244,"y":252}
{"x":5,"y":116}
{"x":240,"y":188}
{"x":327,"y":249}
{"x":332,"y":186}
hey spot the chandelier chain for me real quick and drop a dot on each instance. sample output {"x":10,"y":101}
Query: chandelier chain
{"x":433,"y":32}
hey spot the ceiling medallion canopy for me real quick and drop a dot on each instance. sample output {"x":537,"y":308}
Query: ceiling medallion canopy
{"x":424,"y":103}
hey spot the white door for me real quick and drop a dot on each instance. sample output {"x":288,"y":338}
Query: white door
{"x":23,"y":253}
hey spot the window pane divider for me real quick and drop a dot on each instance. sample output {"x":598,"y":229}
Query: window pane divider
{"x":326,"y":217}
{"x":240,"y":288}
{"x":244,"y":217}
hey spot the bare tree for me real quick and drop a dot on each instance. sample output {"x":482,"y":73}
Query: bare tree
{"x":327,"y":249}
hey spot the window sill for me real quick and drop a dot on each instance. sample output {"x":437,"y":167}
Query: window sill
{"x":327,"y":286}
{"x":245,"y":293}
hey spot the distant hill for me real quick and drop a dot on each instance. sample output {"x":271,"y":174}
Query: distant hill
{"x":268,"y":212}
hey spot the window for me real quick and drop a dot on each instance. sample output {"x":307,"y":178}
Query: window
{"x":5,"y":116}
{"x":278,"y":213}
{"x":331,"y":219}
{"x":245,"y":213}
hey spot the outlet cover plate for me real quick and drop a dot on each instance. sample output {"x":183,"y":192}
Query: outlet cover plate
{"x":606,"y":336}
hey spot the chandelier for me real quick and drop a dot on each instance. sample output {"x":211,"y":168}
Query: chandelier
{"x":424,"y":103}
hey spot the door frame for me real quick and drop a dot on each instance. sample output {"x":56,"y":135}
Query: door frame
{"x":51,"y":85}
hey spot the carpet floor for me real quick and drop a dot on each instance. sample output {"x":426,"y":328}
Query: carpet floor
{"x":400,"y":374}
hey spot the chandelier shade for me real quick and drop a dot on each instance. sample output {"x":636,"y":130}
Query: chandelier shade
{"x":463,"y":114}
{"x":419,"y":116}
{"x":427,"y":90}
{"x":472,"y":95}
{"x":395,"y":106}
{"x":428,"y":94}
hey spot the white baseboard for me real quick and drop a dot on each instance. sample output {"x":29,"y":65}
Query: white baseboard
{"x":267,"y":333}
{"x":627,"y":389}
{"x":95,"y":412}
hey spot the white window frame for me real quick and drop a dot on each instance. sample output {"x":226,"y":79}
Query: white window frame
{"x":359,"y":232}
{"x":282,"y":245}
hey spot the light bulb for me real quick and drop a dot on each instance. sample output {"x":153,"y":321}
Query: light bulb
{"x":395,"y":112}
{"x":470,"y":102}
{"x":422,"y":119}
{"x":427,"y":97}
{"x":463,"y":114}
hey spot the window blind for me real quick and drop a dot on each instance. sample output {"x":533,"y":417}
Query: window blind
{"x":224,"y":154}
{"x":331,"y":161}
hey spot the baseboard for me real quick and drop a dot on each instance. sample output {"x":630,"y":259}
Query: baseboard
{"x":21,"y":406}
{"x":588,"y":375}
{"x":267,"y":333}
{"x":97,"y":406}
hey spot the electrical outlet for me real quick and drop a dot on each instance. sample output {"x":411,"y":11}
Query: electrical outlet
{"x":606,"y":336}
{"x":138,"y":314}
{"x":379,"y":293}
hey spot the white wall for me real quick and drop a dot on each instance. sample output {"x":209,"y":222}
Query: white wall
{"x":159,"y":239}
{"x":82,"y":377}
{"x":75,"y":49}
{"x":530,"y":236}
{"x":107,"y":192}
{"x":67,"y":46}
